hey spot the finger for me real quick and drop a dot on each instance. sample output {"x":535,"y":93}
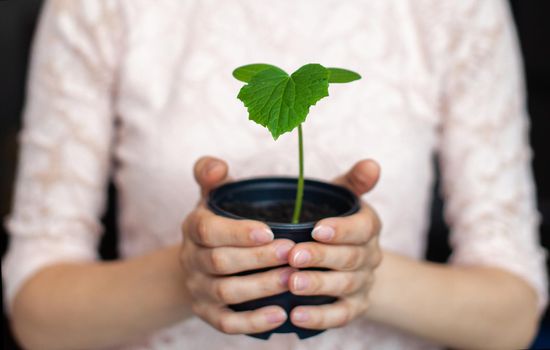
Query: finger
{"x":246,"y":322}
{"x":335,"y":257}
{"x":327,"y":316}
{"x":210,"y":230}
{"x":362,"y":177}
{"x":374,"y":253}
{"x":357,"y":228}
{"x":238,"y":289}
{"x":210,"y":172}
{"x":334,"y":283}
{"x":230,"y":260}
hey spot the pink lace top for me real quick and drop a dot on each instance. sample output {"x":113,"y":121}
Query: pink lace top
{"x":137,"y":90}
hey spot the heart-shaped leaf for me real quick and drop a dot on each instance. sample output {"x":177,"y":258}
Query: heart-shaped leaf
{"x":281,"y":102}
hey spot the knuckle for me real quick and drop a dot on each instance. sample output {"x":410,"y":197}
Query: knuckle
{"x":255,"y":325}
{"x":318,"y":254}
{"x":268,"y":284}
{"x":344,"y":317}
{"x":369,"y":228}
{"x":371,"y":221}
{"x":353,"y":259}
{"x":225,"y":325}
{"x":362,"y":215}
{"x":261,"y":254}
{"x":348,"y":285}
{"x":203,"y":232}
{"x":325,"y":321}
{"x":318,"y":320}
{"x":316,"y":283}
{"x":236,"y":232}
{"x":223,"y":293}
{"x":217,"y":261}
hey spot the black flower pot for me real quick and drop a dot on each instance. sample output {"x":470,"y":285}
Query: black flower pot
{"x":271,"y":200}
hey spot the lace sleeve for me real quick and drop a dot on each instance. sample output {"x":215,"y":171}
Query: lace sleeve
{"x":485,"y":156}
{"x":64,"y":145}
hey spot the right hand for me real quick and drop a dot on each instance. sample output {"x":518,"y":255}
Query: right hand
{"x":215,"y":247}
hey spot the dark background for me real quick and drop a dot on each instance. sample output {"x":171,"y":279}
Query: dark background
{"x":17,"y":22}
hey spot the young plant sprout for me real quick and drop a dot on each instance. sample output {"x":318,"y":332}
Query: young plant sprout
{"x":280,"y":102}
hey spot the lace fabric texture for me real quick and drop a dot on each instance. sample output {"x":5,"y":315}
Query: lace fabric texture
{"x":138,"y":90}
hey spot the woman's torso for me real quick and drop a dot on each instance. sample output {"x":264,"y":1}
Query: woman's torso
{"x":176,"y":101}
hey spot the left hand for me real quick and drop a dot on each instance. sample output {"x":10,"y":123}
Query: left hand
{"x":346,"y":245}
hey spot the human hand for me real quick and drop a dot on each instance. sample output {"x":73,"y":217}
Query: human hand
{"x":215,"y":247}
{"x":346,"y":245}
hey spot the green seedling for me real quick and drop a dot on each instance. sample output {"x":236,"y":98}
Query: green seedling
{"x":281,"y":102}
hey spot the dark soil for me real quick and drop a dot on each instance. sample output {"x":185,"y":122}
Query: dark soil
{"x":280,"y":212}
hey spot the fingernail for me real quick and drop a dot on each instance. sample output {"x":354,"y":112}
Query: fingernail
{"x":211,"y":166}
{"x":261,"y":235}
{"x":362,"y":177}
{"x":301,"y":282}
{"x":302,"y":257}
{"x":285,"y":276}
{"x":275,"y":316}
{"x":282,"y":251}
{"x":323,"y":233}
{"x":300,"y":316}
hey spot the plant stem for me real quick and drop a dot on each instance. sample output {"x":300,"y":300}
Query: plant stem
{"x":300,"y":189}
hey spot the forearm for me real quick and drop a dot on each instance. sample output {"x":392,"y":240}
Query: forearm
{"x":460,"y":307}
{"x":75,"y":306}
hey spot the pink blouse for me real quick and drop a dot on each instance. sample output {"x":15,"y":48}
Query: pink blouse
{"x":137,"y":90}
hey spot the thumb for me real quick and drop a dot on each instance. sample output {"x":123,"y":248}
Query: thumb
{"x":210,"y":172}
{"x":361,"y":178}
